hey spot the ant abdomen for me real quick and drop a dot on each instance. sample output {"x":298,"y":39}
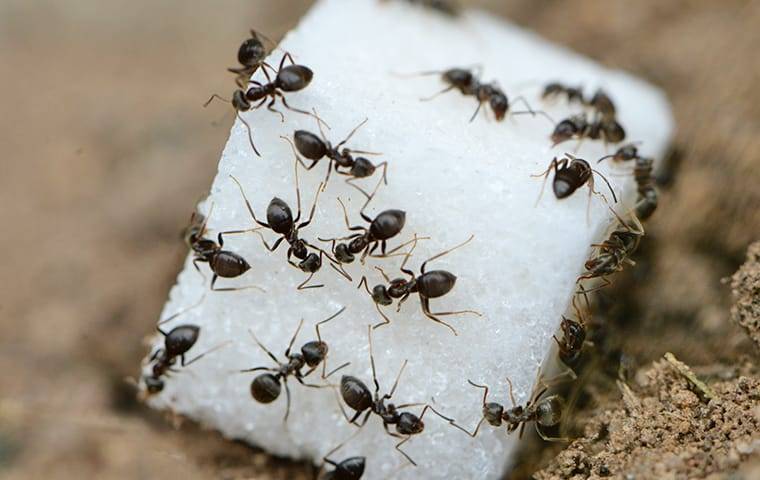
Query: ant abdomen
{"x":349,"y":469}
{"x":355,"y":393}
{"x":388,"y":224}
{"x":309,"y":145}
{"x":436,"y":283}
{"x":294,"y":77}
{"x":279,"y":216}
{"x":228,"y":264}
{"x":181,"y":339}
{"x":265,"y":388}
{"x":549,"y":411}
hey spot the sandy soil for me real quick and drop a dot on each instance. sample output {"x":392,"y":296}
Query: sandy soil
{"x":103,"y":109}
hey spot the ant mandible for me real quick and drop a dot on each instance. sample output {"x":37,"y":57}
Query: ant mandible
{"x":315,"y":149}
{"x":266,"y":387}
{"x":359,"y":398}
{"x":432,"y":284}
{"x":223,"y":263}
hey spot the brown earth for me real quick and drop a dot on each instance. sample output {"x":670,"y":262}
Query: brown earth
{"x":102,"y":110}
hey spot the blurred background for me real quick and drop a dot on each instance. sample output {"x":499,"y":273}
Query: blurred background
{"x":106,"y":149}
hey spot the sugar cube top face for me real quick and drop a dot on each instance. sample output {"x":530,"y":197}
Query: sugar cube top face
{"x":453,"y":178}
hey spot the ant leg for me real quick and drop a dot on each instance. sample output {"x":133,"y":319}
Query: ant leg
{"x":271,"y":104}
{"x":372,"y":360}
{"x":426,"y":310}
{"x":313,"y":208}
{"x":341,"y":271}
{"x":233,"y":289}
{"x":293,"y":338}
{"x":184,"y":310}
{"x":431,"y":315}
{"x":401,"y":301}
{"x":398,"y":377}
{"x":250,"y":135}
{"x":287,"y":401}
{"x":392,"y":252}
{"x":605,"y":280}
{"x":298,"y":157}
{"x":445,"y":252}
{"x":614,"y":197}
{"x":302,"y":285}
{"x":247,"y":203}
{"x":289,"y":57}
{"x":550,"y":439}
{"x":215,"y":96}
{"x":256,"y":369}
{"x":345,"y":217}
{"x":386,"y":320}
{"x":553,"y":164}
{"x":324,"y":366}
{"x":363,"y":281}
{"x":398,"y":447}
{"x":213,"y":349}
{"x":445,"y":90}
{"x":356,"y":128}
{"x":198,"y":269}
{"x":472,"y":119}
{"x":511,"y":392}
{"x":297,"y":110}
{"x":261,"y":345}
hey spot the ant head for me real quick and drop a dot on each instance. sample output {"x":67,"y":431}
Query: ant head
{"x":380,"y":295}
{"x":153,"y":384}
{"x":499,"y":104}
{"x":627,"y":152}
{"x":251,"y":52}
{"x":362,"y":167}
{"x":309,"y":145}
{"x":493,"y":412}
{"x":181,"y":339}
{"x":311,"y":263}
{"x":549,"y":411}
{"x":293,"y":78}
{"x":355,"y":393}
{"x":265,"y":388}
{"x":409,"y":424}
{"x":565,"y":130}
{"x":388,"y":224}
{"x":279,"y":216}
{"x":240,"y":101}
{"x":314,"y":352}
{"x":350,"y":469}
{"x":343,"y":253}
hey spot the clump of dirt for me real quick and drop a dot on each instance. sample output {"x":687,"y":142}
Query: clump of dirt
{"x":668,"y":426}
{"x":745,"y":287}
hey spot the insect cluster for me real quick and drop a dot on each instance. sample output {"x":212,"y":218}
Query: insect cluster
{"x":308,"y":253}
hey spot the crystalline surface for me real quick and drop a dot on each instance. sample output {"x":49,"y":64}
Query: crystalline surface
{"x":453,"y":178}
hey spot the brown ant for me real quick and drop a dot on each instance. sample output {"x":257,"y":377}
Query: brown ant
{"x":177,"y":342}
{"x":223,"y":263}
{"x":468,"y":84}
{"x":433,"y":284}
{"x":291,"y":78}
{"x":570,"y":174}
{"x":315,"y":149}
{"x":647,"y":200}
{"x":579,"y":127}
{"x":266,"y":387}
{"x":251,"y":55}
{"x":280,"y":220}
{"x":544,"y":412}
{"x":359,"y":398}
{"x":615,"y":252}
{"x":573,"y":337}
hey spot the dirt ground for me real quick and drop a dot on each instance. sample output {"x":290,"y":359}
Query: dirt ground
{"x":103,"y":109}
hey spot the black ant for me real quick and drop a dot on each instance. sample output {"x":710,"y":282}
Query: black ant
{"x":615,"y":252}
{"x":291,"y":78}
{"x":433,"y":284}
{"x":349,"y":469}
{"x":266,"y":387}
{"x":177,"y":342}
{"x":223,"y":263}
{"x":468,"y":83}
{"x":544,"y":412}
{"x":251,"y":55}
{"x":315,"y":149}
{"x":570,"y":174}
{"x":647,"y":200}
{"x":579,"y":127}
{"x":573,"y":338}
{"x":192,"y":233}
{"x":359,"y":398}
{"x":600,"y":101}
{"x":280,"y":220}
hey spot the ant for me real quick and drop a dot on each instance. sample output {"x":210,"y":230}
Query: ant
{"x":280,"y":220}
{"x":266,"y":387}
{"x":578,"y":126}
{"x":192,"y":233}
{"x":177,"y":342}
{"x":544,"y":412}
{"x":570,"y":174}
{"x":615,"y":252}
{"x":251,"y":55}
{"x":600,"y":101}
{"x":315,"y":149}
{"x":223,"y":263}
{"x":647,"y":200}
{"x":573,"y":337}
{"x":358,"y":397}
{"x":447,"y":7}
{"x":556,"y":89}
{"x":433,"y":284}
{"x":349,"y":469}
{"x":291,"y":78}
{"x":468,"y":83}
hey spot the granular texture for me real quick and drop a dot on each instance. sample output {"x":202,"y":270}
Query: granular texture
{"x":745,"y":287}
